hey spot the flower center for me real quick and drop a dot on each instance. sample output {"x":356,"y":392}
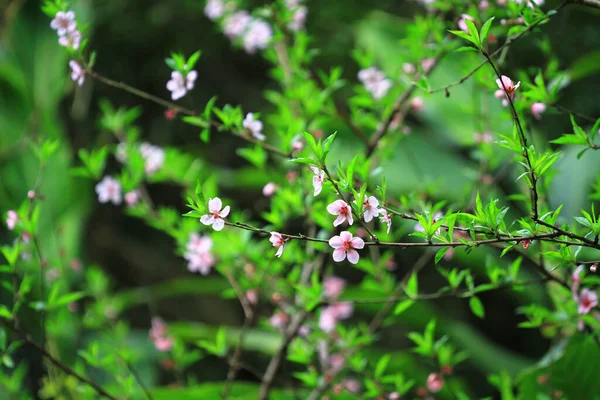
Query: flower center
{"x":347,"y":245}
{"x":344,"y":210}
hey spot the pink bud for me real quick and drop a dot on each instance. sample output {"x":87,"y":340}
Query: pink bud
{"x":435,"y":382}
{"x":417,"y":104}
{"x":31,"y":195}
{"x":269,"y":189}
{"x":537,"y":109}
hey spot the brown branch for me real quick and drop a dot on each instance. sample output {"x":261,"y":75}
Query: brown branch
{"x":587,"y":3}
{"x":569,"y":111}
{"x":24,"y":337}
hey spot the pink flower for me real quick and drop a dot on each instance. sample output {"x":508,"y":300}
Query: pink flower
{"x":77,"y":73}
{"x":409,"y":68}
{"x":214,"y":9}
{"x":279,"y":320}
{"x":131,"y":198}
{"x":163,"y":343}
{"x":304,"y":330}
{"x":64,"y":22}
{"x":215,"y":218}
{"x":575,"y":276}
{"x":345,"y":246}
{"x":537,"y":109}
{"x":394,"y":396}
{"x":386,"y":218}
{"x":154,"y":157}
{"x":257,"y":36}
{"x":351,"y":385}
{"x":236,"y":24}
{"x":333,"y":313}
{"x":462,"y":25}
{"x":269,"y":189}
{"x":31,"y":195}
{"x":417,"y":104}
{"x":435,"y":382}
{"x":179,"y":84}
{"x":333,"y":287}
{"x":318,"y":179}
{"x":12,"y":218}
{"x":252,"y":296}
{"x":342,"y":210}
{"x":587,"y":300}
{"x":483,"y":5}
{"x":375,"y":82}
{"x":297,"y":146}
{"x":109,"y":190}
{"x":198,"y":254}
{"x":427,"y":64}
{"x":298,"y":19}
{"x":71,"y":40}
{"x":336,"y":362}
{"x":254,"y":126}
{"x":370,"y":209}
{"x":506,"y":83}
{"x":277,"y":240}
{"x":485,"y":137}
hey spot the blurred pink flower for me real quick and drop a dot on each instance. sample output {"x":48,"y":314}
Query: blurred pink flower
{"x":131,"y":198}
{"x":77,"y":73}
{"x":427,"y":64}
{"x":71,"y":40}
{"x":409,"y":68}
{"x":179,"y":84}
{"x":279,"y":320}
{"x":462,"y":24}
{"x":236,"y":24}
{"x":255,"y":126}
{"x":214,"y":9}
{"x":298,"y":19}
{"x":216,"y":215}
{"x":537,"y":109}
{"x":269,"y":189}
{"x":64,"y":22}
{"x":375,"y":82}
{"x":345,"y":246}
{"x":333,"y":313}
{"x":587,"y":300}
{"x":198,"y":254}
{"x":435,"y":382}
{"x":333,"y":287}
{"x":342,"y":210}
{"x":154,"y":157}
{"x":258,"y":36}
{"x":417,"y":104}
{"x":12,"y":218}
{"x":109,"y":190}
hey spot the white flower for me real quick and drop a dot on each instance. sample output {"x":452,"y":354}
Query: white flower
{"x":77,"y":73}
{"x":179,"y":85}
{"x":215,"y":218}
{"x":318,"y":179}
{"x":109,"y":190}
{"x":214,"y":9}
{"x":298,"y":19}
{"x":257,"y":36}
{"x":63,"y":22}
{"x":375,"y":82}
{"x":254,"y":126}
{"x":71,"y":40}
{"x":154,"y":157}
{"x":236,"y":24}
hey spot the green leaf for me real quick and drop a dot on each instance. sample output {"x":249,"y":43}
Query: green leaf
{"x":440,"y":253}
{"x":5,"y":312}
{"x":477,"y":307}
{"x":403,"y":306}
{"x":485,"y":29}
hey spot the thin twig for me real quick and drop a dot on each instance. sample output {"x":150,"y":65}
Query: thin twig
{"x":24,"y":337}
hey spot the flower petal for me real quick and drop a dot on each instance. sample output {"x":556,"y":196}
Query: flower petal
{"x":224,"y":212}
{"x":358,"y":243}
{"x":214,"y":205}
{"x":338,"y":221}
{"x":339,"y":254}
{"x":207,"y":219}
{"x":353,"y":256}
{"x":279,"y":251}
{"x":218,"y":224}
{"x":336,"y":242}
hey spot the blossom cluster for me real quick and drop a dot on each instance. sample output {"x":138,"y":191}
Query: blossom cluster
{"x":333,"y":287}
{"x":154,"y":156}
{"x":375,"y":82}
{"x":158,"y":333}
{"x":586,"y":299}
{"x":65,"y":25}
{"x":255,"y":33}
{"x":180,"y":83}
